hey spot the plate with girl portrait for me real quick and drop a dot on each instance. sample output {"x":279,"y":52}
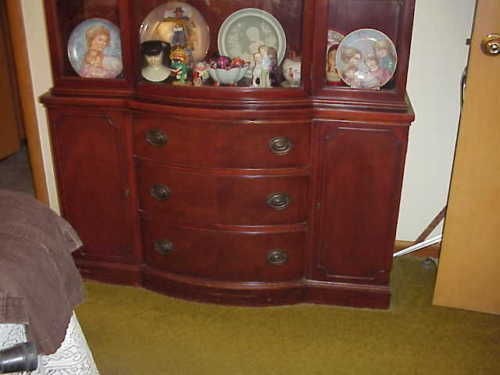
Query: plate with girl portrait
{"x":366,"y":58}
{"x":94,"y":49}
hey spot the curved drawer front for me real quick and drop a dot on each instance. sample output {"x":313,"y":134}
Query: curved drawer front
{"x":224,"y":255}
{"x":188,"y":197}
{"x":222,"y":144}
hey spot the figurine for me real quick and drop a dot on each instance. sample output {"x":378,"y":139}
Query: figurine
{"x":154,"y":51}
{"x":267,"y":66}
{"x":200,"y":73}
{"x":179,"y":66}
{"x":257,"y":69}
{"x":291,"y":71}
{"x":264,"y":63}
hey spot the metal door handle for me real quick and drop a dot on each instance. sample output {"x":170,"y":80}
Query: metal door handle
{"x":491,"y":44}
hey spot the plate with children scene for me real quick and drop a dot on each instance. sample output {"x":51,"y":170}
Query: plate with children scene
{"x":366,"y":58}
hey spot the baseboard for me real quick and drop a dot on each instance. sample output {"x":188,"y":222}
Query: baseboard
{"x":430,"y":251}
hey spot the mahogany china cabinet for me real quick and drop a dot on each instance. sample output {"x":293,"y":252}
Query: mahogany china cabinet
{"x":232,"y":194}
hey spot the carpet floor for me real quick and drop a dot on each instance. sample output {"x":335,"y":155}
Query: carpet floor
{"x":15,"y":173}
{"x":135,"y":331}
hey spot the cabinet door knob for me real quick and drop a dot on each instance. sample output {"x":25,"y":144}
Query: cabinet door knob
{"x":156,"y":137}
{"x":278,"y":201}
{"x":163,"y":246}
{"x":160,"y":192}
{"x":280,"y":145}
{"x":277,"y":257}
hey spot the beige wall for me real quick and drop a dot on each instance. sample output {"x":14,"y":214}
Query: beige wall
{"x":437,"y":60}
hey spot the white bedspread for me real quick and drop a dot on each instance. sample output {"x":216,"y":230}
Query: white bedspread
{"x":72,"y":358}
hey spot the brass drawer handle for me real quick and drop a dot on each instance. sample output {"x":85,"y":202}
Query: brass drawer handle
{"x":163,"y":246}
{"x":156,"y":137}
{"x":280,"y":145}
{"x":277,"y":257}
{"x":278,"y":201}
{"x":160,"y":192}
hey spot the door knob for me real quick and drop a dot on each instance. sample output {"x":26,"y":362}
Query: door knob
{"x":491,"y":44}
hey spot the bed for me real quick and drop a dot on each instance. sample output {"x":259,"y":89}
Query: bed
{"x":39,"y":288}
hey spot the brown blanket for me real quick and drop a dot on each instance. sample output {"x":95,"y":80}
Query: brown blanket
{"x":39,"y":283}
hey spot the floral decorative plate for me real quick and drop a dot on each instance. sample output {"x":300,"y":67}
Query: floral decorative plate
{"x":180,"y":25}
{"x":244,"y":31}
{"x":95,"y":50}
{"x":366,"y":58}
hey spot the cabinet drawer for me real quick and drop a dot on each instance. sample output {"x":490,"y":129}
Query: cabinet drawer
{"x":222,"y":143}
{"x":224,"y":255}
{"x":189,"y":197}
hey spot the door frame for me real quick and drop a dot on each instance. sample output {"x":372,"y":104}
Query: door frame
{"x":26,"y":97}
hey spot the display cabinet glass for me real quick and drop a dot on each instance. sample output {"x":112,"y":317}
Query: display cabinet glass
{"x":89,"y":45}
{"x":337,"y":19}
{"x":240,"y":30}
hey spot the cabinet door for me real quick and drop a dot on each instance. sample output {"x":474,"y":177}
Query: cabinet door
{"x":91,"y":163}
{"x":358,"y":178}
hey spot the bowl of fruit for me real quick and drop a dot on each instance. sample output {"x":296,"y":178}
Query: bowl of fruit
{"x":227,"y":71}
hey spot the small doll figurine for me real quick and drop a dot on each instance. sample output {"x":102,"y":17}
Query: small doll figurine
{"x":266,"y":66}
{"x":257,"y":69}
{"x":179,"y":66}
{"x":200,"y":73}
{"x":291,"y":69}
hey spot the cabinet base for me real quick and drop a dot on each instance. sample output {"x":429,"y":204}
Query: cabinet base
{"x":239,"y":293}
{"x":267,"y":294}
{"x":110,"y":272}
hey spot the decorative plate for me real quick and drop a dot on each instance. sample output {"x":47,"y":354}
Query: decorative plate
{"x":95,"y":49}
{"x":244,"y":31}
{"x":332,"y":45}
{"x":366,"y":58}
{"x":180,"y":25}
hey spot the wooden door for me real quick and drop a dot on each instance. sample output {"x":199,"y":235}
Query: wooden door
{"x":10,"y":117}
{"x":469,"y":268}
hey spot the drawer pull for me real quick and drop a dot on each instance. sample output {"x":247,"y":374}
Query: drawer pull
{"x":278,"y":201}
{"x":156,"y":137}
{"x":163,"y":246}
{"x":277,"y":257}
{"x":160,"y":192}
{"x":280,"y":145}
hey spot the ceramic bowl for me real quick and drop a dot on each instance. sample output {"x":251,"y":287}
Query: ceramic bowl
{"x":227,"y":76}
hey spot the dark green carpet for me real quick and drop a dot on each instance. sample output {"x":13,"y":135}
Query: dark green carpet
{"x":134,"y":331}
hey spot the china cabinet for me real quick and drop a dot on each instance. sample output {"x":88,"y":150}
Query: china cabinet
{"x":231,"y":192}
